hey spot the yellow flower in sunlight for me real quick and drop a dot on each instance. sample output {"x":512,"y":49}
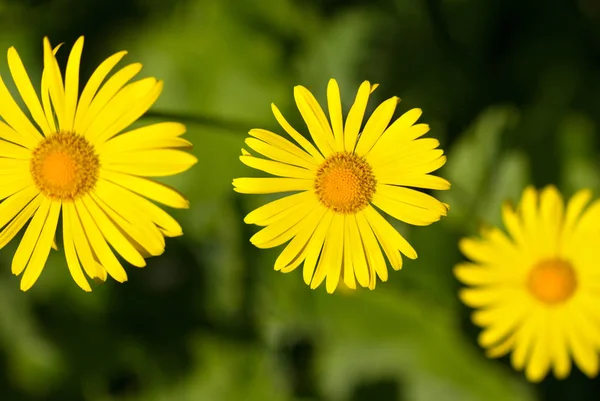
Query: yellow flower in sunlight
{"x":537,"y":292}
{"x":331,"y":222}
{"x":73,"y":161}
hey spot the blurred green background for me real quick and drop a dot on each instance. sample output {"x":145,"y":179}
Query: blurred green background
{"x":510,"y":87}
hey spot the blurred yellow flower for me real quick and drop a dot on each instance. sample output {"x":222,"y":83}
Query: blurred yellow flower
{"x":537,"y":291}
{"x":70,"y":159}
{"x":331,"y":222}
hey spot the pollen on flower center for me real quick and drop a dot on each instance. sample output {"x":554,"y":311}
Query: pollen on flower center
{"x":64,"y":166}
{"x":552,"y":281}
{"x":345,"y":183}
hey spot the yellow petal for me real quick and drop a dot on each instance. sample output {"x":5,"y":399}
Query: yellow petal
{"x":265,"y":214}
{"x":295,"y":135}
{"x":381,"y":229}
{"x":15,"y":203}
{"x":14,"y":116}
{"x":150,"y":189}
{"x":72,"y":83}
{"x":120,"y":198}
{"x":295,"y":251}
{"x":102,"y":98}
{"x":142,"y":232}
{"x":98,"y":243}
{"x":277,"y":168}
{"x":375,"y":126}
{"x":42,"y":247}
{"x":270,"y":185}
{"x":374,"y":257}
{"x":113,"y":236}
{"x":155,"y":136}
{"x":359,"y":260}
{"x":30,"y":238}
{"x":313,"y":249}
{"x":284,"y":152}
{"x":412,"y":197}
{"x":405,"y":212}
{"x":398,"y":133}
{"x":334,"y":102}
{"x":415,"y":181}
{"x":315,"y":120}
{"x":16,"y":224}
{"x":149,"y":163}
{"x":142,"y":100}
{"x":348,"y":264}
{"x":284,"y":228}
{"x":330,"y":265}
{"x":92,"y":85}
{"x":53,"y":78}
{"x":355,"y":116}
{"x":23,"y":83}
{"x":70,"y":254}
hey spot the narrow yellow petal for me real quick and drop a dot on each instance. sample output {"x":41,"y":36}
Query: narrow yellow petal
{"x":355,"y":116}
{"x":348,"y":269}
{"x":359,"y":260}
{"x":270,"y":185}
{"x":376,"y":125}
{"x":416,"y":181}
{"x":14,"y":184}
{"x":16,"y":224}
{"x":374,"y":256}
{"x":381,"y":230}
{"x":160,"y":135}
{"x":559,"y":351}
{"x":81,"y":242}
{"x":284,"y":228}
{"x":583,"y":351}
{"x":72,"y":83}
{"x":156,"y":191}
{"x":14,"y":116}
{"x":10,"y":150}
{"x":104,"y":95}
{"x":23,"y":83}
{"x":306,"y":145}
{"x":335,"y":260}
{"x":265,"y":214}
{"x":70,"y":254}
{"x":405,"y":212}
{"x":15,"y":203}
{"x":334,"y":102}
{"x":412,"y":197}
{"x":122,"y":114}
{"x":55,"y":84}
{"x":30,"y":238}
{"x":289,"y":153}
{"x":92,"y":85}
{"x":277,"y":168}
{"x":315,"y":120}
{"x":98,"y":243}
{"x":313,"y":249}
{"x":45,"y":95}
{"x":114,"y":195}
{"x":142,"y":232}
{"x":330,"y":260}
{"x":112,"y":235}
{"x":149,"y":163}
{"x":42,"y":248}
{"x":295,"y":251}
{"x":398,"y":133}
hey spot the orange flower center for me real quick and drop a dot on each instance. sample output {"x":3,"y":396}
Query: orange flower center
{"x":552,"y":281}
{"x":64,"y":166}
{"x":345,"y":183}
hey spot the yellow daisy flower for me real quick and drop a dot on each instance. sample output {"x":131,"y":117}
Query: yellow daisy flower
{"x":69,"y":160}
{"x":537,"y":291}
{"x":330,"y":221}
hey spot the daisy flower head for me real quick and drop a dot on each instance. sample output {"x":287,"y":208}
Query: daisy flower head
{"x":536,"y":291}
{"x":71,"y":161}
{"x":338,"y":182}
